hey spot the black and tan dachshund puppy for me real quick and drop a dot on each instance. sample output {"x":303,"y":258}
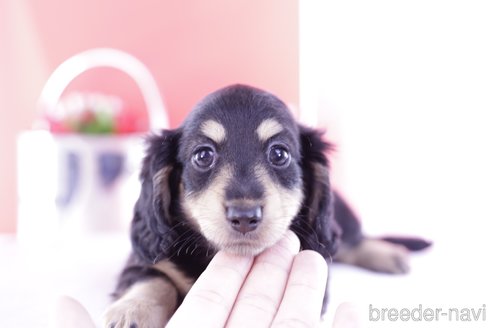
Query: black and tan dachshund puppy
{"x":235,"y":176}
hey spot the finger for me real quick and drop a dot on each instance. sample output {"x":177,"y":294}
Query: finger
{"x":260,"y":296}
{"x":348,"y":315}
{"x":303,"y":297}
{"x":211,"y":298}
{"x":70,"y":313}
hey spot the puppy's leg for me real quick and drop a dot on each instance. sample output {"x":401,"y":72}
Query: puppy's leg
{"x":356,"y":249}
{"x":148,"y":303}
{"x":376,"y":255}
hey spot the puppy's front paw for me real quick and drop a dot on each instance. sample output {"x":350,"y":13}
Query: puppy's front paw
{"x":135,"y":313}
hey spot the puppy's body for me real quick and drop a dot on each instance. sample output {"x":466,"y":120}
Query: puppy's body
{"x":235,"y":176}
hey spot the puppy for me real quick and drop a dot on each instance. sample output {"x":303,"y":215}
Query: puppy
{"x":235,"y":176}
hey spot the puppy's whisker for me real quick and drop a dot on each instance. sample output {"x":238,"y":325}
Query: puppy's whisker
{"x":194,"y":243}
{"x":183,"y":239}
{"x":189,"y":242}
{"x":194,"y":249}
{"x":156,"y":259}
{"x":164,"y":251}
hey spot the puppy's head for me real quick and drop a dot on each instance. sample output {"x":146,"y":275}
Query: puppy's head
{"x":241,"y":180}
{"x":242,"y":172}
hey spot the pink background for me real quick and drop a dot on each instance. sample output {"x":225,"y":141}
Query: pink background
{"x":191,"y":47}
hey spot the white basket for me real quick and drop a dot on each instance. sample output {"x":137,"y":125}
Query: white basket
{"x":65,"y":191}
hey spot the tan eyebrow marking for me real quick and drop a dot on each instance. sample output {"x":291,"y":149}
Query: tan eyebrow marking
{"x":213,"y":130}
{"x":268,"y":128}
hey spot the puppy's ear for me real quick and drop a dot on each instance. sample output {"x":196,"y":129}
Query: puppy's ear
{"x":316,"y":225}
{"x":151,"y":229}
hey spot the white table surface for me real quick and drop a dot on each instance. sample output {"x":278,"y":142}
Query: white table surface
{"x":450,"y":274}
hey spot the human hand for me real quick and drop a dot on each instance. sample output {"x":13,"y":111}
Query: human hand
{"x":280,"y":287}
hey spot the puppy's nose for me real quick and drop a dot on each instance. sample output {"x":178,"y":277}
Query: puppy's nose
{"x":244,"y":218}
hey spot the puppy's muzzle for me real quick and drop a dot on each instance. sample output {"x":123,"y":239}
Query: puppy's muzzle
{"x":244,"y":219}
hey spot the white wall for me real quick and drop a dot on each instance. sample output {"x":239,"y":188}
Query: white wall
{"x":405,"y":91}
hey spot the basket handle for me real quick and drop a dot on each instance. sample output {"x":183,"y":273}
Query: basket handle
{"x":106,"y":57}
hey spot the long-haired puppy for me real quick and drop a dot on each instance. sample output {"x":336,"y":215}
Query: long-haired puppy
{"x":235,"y":176}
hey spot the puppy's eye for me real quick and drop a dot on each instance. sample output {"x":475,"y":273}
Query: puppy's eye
{"x":204,"y":157}
{"x":278,"y":155}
